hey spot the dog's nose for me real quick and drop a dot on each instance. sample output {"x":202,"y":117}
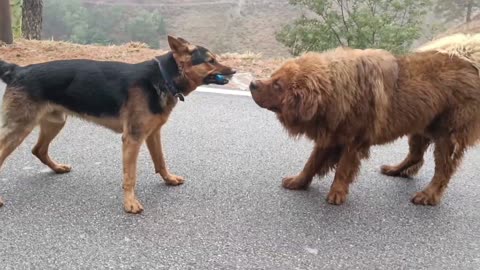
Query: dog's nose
{"x":253,"y":86}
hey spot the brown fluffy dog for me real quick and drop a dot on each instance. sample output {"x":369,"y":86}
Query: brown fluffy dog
{"x":348,"y":100}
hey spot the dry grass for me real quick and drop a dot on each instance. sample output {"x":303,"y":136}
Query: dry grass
{"x":25,"y":52}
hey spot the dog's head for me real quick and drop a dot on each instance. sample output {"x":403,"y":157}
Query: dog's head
{"x":294,"y":92}
{"x":197,"y":65}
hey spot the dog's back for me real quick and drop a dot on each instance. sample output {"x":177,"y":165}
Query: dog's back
{"x":95,"y":88}
{"x":464,"y":46}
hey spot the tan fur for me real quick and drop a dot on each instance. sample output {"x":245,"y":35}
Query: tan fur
{"x":465,"y":46}
{"x":349,"y":100}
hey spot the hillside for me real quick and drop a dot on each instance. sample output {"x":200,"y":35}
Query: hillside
{"x":222,"y":25}
{"x":467,"y":28}
{"x":24,"y":52}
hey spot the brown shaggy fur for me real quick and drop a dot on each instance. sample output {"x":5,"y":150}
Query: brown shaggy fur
{"x":348,"y":100}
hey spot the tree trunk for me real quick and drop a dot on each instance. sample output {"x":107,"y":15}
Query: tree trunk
{"x":5,"y":22}
{"x":32,"y":19}
{"x":469,"y":10}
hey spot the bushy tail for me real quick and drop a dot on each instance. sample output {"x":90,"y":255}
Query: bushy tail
{"x":7,"y":71}
{"x":465,"y":46}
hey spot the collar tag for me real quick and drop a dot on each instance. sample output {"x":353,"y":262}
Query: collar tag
{"x":180,"y":96}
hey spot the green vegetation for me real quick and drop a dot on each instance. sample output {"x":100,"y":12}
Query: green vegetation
{"x":387,"y":24}
{"x":16,"y":9}
{"x":70,"y":20}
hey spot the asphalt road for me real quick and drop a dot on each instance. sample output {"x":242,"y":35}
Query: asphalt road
{"x":231,"y":212}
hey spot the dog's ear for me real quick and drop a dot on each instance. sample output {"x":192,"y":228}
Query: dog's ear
{"x":178,"y":45}
{"x":308,"y":106}
{"x":303,"y":104}
{"x":306,"y":95}
{"x":183,"y":41}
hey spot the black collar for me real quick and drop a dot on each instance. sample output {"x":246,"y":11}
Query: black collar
{"x":169,"y":71}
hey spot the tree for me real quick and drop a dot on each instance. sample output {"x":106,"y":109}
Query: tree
{"x":456,"y":10}
{"x":16,"y":12}
{"x":5,"y":22}
{"x":387,"y":24}
{"x":32,"y":19}
{"x":147,"y":27}
{"x":72,"y":20}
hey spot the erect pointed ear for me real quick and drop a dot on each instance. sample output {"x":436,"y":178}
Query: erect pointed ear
{"x":178,"y":44}
{"x":183,"y":41}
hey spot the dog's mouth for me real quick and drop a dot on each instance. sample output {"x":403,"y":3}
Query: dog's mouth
{"x":274,"y":109}
{"x":265,"y":104}
{"x":219,"y":78}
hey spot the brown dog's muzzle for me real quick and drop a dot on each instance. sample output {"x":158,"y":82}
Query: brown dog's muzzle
{"x":263,"y":96}
{"x":253,"y":86}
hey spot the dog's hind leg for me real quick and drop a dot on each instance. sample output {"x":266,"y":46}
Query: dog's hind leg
{"x":18,"y":117}
{"x":154,"y":144}
{"x":9,"y":141}
{"x":448,"y":155}
{"x":131,"y":148}
{"x":50,"y":125}
{"x":410,"y":166}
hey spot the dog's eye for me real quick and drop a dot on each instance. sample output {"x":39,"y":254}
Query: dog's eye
{"x":212,"y":61}
{"x":276,"y":86}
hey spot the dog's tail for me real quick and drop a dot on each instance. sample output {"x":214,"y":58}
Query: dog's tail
{"x":465,"y":46}
{"x":7,"y":71}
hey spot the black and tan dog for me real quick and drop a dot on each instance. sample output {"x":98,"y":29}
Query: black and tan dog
{"x":132,"y":99}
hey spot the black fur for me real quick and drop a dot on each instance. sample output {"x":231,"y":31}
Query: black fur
{"x":96,"y":88}
{"x":199,"y":55}
{"x":170,"y":71}
{"x":6,"y":71}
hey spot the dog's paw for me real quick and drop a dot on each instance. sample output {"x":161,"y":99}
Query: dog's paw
{"x":174,"y":180}
{"x":389,"y":170}
{"x":295,"y":183}
{"x":397,"y":171}
{"x":62,"y":168}
{"x":426,"y":197}
{"x":337,"y":197}
{"x":133,"y":206}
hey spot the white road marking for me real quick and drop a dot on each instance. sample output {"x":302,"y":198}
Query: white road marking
{"x":205,"y":89}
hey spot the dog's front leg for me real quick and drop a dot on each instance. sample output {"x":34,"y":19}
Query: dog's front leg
{"x":154,"y":144}
{"x":131,"y":147}
{"x":321,"y":161}
{"x":347,"y":169}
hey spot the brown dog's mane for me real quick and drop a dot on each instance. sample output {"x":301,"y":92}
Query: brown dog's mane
{"x":337,"y":87}
{"x":347,"y":96}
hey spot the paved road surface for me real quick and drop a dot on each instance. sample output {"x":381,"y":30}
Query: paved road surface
{"x":231,"y":212}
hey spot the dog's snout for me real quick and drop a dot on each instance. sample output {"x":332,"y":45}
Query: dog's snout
{"x":253,"y":86}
